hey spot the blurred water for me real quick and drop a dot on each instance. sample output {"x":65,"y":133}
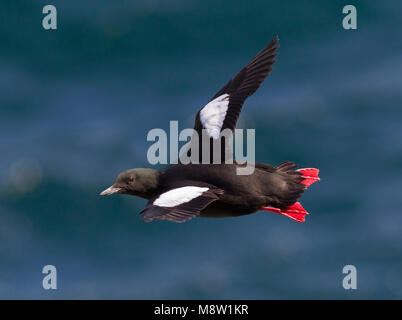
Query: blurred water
{"x":76,"y":105}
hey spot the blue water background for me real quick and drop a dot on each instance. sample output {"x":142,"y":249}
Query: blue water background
{"x":77,"y":103}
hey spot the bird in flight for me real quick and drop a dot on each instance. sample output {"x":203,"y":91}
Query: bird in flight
{"x":180,"y":192}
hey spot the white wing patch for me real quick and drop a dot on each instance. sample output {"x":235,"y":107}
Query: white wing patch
{"x":178,"y":196}
{"x":213,"y":115}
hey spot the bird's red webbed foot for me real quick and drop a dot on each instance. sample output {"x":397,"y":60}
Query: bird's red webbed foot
{"x":310,"y":176}
{"x":295,"y":212}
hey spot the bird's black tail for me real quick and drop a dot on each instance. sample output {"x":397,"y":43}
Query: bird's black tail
{"x":294,"y":187}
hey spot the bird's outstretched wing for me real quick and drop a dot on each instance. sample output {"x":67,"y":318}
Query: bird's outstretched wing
{"x":180,"y":204}
{"x":224,"y":108}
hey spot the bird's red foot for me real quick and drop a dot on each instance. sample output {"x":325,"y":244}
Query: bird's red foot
{"x":295,"y":212}
{"x":310,"y":176}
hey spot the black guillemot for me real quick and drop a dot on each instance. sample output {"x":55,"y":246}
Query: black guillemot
{"x":180,"y":192}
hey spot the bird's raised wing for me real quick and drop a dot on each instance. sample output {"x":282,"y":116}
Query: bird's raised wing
{"x":224,"y":108}
{"x":180,"y":204}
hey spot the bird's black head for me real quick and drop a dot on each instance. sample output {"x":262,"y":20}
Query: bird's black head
{"x":140,"y":182}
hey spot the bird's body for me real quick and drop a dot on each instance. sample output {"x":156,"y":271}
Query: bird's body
{"x":180,"y":192}
{"x":244,"y":194}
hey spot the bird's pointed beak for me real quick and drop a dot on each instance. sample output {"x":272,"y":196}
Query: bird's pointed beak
{"x":109,"y":191}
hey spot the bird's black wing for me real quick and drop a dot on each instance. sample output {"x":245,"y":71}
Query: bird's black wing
{"x":180,"y":204}
{"x":223,"y":111}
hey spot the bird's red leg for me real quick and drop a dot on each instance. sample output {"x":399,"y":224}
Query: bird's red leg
{"x":295,"y":212}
